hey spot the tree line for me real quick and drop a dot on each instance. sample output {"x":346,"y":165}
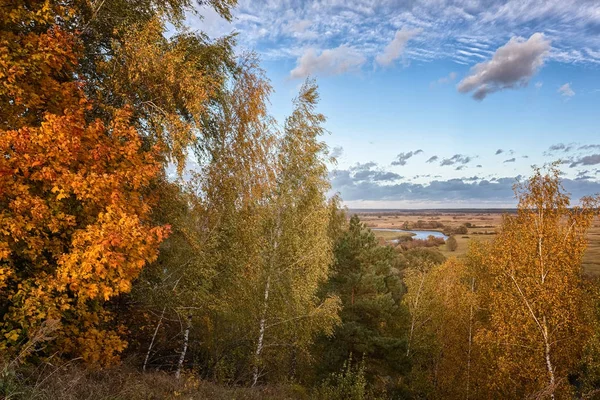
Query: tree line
{"x":247,"y":272}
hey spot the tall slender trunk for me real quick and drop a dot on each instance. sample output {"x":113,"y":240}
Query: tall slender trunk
{"x":153,"y":338}
{"x":261,"y":332}
{"x":294,"y":363}
{"x":186,"y":338}
{"x":294,"y":358}
{"x":549,"y":365}
{"x":543,"y":327}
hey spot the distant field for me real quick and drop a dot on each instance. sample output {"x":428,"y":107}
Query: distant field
{"x":591,"y":261}
{"x":386,"y":235}
{"x":486,"y":222}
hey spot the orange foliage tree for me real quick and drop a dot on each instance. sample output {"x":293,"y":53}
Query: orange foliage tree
{"x":539,"y":311}
{"x":74,"y":199}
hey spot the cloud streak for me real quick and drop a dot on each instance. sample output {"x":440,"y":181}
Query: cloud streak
{"x":456,"y":159}
{"x":329,"y":62}
{"x":402,"y":158}
{"x":464,"y":31}
{"x":395,"y":48}
{"x":593,"y":159}
{"x":566,"y":91}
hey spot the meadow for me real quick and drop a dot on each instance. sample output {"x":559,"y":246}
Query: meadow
{"x":483,"y":227}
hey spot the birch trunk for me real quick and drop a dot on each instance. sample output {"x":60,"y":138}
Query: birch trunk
{"x":186,"y":337}
{"x":549,"y":365}
{"x":153,"y":338}
{"x":261,"y":332}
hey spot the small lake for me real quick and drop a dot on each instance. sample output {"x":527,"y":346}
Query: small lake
{"x":416,"y":234}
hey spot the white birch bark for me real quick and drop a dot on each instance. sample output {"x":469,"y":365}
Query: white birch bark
{"x":261,"y":333}
{"x":153,"y":338}
{"x":186,"y":337}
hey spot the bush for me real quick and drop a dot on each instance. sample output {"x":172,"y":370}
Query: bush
{"x":451,"y":243}
{"x":349,"y":384}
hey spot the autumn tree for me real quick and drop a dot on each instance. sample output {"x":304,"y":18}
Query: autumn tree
{"x":444,"y":317}
{"x":125,"y":57}
{"x":74,"y":215}
{"x":106,"y":75}
{"x":538,"y":307}
{"x":297,"y":251}
{"x":73,"y":225}
{"x":514,"y":318}
{"x":210,"y":263}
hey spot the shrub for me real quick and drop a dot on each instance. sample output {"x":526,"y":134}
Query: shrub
{"x":451,"y":243}
{"x":349,"y":384}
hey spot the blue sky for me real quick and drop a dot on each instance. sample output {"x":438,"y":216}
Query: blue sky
{"x":436,"y":103}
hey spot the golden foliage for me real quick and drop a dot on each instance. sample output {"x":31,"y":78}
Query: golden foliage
{"x":74,"y":228}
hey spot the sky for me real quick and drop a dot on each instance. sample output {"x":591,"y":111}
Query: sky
{"x":436,"y":103}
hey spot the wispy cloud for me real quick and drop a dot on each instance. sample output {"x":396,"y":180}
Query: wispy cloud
{"x":337,"y":152}
{"x":589,"y":147}
{"x":593,"y":159}
{"x":456,"y":159}
{"x":395,"y":48}
{"x":329,"y":62}
{"x":445,"y":79}
{"x":465,"y":31}
{"x":559,"y":147}
{"x":402,"y":158}
{"x":566,"y":91}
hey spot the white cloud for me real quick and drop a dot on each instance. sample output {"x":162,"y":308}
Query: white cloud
{"x":445,"y":79}
{"x":299,"y":30}
{"x":512,"y":66}
{"x":300,"y":26}
{"x":330,"y":62}
{"x":337,"y":152}
{"x":396,"y":47}
{"x":566,"y":91}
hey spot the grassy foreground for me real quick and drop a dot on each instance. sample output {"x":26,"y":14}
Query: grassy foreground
{"x":72,"y":382}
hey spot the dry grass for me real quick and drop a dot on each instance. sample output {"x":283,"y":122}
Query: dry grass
{"x":387,"y":235}
{"x":591,"y":260}
{"x":72,"y":382}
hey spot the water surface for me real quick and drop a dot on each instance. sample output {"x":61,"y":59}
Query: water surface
{"x":415,"y":234}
